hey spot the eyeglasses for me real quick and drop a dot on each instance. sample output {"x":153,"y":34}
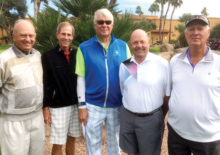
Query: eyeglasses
{"x":101,"y":22}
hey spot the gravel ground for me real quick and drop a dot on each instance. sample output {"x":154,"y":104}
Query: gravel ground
{"x":80,"y":145}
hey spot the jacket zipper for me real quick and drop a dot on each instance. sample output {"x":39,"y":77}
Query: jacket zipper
{"x":107,"y":80}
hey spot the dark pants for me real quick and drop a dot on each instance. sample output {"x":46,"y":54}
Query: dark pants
{"x":180,"y":146}
{"x":141,"y":134}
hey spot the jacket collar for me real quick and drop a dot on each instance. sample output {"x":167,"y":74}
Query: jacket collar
{"x":59,"y":50}
{"x":112,"y":38}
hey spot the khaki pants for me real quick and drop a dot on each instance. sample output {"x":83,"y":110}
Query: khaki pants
{"x":22,"y":137}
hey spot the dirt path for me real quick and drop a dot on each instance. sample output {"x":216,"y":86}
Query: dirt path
{"x":80,"y":146}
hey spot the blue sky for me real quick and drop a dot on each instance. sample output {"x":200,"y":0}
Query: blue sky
{"x":189,"y":6}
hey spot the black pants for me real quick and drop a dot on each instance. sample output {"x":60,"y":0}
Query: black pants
{"x":179,"y":146}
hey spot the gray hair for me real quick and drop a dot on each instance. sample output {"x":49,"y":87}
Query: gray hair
{"x":62,"y":24}
{"x":103,"y":12}
{"x":20,"y":21}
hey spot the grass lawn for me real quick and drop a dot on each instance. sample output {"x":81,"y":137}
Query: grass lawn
{"x":2,"y":48}
{"x":155,"y":49}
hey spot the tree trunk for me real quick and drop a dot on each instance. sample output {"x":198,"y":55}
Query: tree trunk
{"x":112,"y":2}
{"x":171,"y":19}
{"x":35,"y":9}
{"x":164,"y":22}
{"x":2,"y":33}
{"x":38,"y":6}
{"x":161,"y":17}
{"x":9,"y":34}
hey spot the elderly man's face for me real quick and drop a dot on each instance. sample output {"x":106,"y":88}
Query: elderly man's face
{"x":65,"y":36}
{"x":24,"y":37}
{"x":103,"y":26}
{"x":197,"y":34}
{"x":139,"y":43}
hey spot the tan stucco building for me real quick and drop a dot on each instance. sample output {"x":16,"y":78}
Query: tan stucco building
{"x":154,"y":34}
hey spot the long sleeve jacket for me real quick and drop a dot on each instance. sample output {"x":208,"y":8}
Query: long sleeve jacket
{"x":59,"y":78}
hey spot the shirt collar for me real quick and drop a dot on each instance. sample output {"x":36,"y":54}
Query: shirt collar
{"x":147,"y":58}
{"x":208,"y":56}
{"x":61,"y":51}
{"x":19,"y":53}
{"x":97,"y":40}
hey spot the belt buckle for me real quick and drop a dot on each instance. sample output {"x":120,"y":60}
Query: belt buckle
{"x":142,"y":114}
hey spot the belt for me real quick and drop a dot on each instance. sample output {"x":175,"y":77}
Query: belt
{"x":143,"y":114}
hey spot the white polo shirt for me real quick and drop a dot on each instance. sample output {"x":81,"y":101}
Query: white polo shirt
{"x":194,"y":105}
{"x":144,"y":85}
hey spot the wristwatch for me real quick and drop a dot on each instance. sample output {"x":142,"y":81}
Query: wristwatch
{"x":81,"y":104}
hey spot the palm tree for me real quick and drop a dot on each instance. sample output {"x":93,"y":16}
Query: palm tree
{"x":49,"y":18}
{"x":139,"y":11}
{"x":37,"y":4}
{"x":79,"y":8}
{"x":154,"y":8}
{"x":204,"y":11}
{"x":10,"y":11}
{"x":46,"y":24}
{"x":162,"y":3}
{"x":112,"y":2}
{"x":175,"y":4}
{"x":164,"y":21}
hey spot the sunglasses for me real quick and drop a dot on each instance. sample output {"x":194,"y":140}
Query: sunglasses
{"x":101,"y":22}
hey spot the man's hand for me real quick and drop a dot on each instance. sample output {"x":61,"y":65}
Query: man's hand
{"x":83,"y":116}
{"x":47,"y":117}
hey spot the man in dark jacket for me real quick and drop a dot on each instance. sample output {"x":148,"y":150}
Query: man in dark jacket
{"x":60,"y":97}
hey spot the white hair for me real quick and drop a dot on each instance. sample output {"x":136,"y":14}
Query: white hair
{"x":103,"y":12}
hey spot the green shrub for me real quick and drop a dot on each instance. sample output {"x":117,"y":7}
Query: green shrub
{"x":155,"y":49}
{"x":46,"y":26}
{"x":4,"y":47}
{"x":215,"y":33}
{"x":173,"y":41}
{"x":48,"y":20}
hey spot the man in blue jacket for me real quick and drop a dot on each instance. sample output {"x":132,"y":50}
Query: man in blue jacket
{"x":97,"y":66}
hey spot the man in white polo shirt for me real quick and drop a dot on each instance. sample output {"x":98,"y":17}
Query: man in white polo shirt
{"x":194,"y":106}
{"x":144,"y":82}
